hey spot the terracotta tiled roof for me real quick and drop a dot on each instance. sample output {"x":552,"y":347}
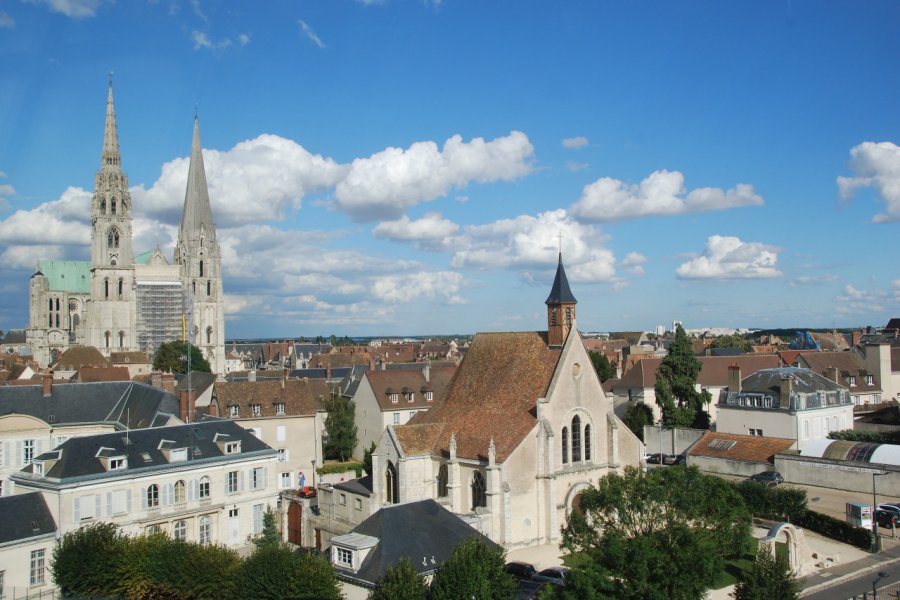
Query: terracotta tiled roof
{"x":94,"y":374}
{"x":848,"y":364}
{"x":409,"y":381}
{"x":746,"y":448}
{"x":493,"y":395}
{"x":830,"y":341}
{"x":300,"y":397}
{"x":395,"y":353}
{"x":605,"y":346}
{"x":119,"y":358}
{"x":80,"y":356}
{"x":417,"y":438}
{"x":714,"y":372}
{"x":336,"y":360}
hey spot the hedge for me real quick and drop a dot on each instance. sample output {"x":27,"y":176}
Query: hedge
{"x":340,"y":467}
{"x":835,"y":529}
{"x":860,"y":435}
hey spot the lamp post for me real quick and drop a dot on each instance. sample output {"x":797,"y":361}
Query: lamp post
{"x":313,"y":461}
{"x":660,"y":441}
{"x":876,"y":542}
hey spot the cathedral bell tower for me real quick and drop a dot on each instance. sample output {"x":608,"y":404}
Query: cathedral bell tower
{"x":198,"y":255}
{"x":560,"y":308}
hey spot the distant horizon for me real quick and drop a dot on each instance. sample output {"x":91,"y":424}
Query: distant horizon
{"x":396,"y":166}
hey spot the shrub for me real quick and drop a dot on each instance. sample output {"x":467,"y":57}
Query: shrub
{"x":835,"y":529}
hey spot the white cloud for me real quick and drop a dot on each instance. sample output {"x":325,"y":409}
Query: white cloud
{"x":527,"y":242}
{"x":728,"y":257}
{"x":201,"y":40}
{"x":24,"y":257}
{"x":65,"y":221}
{"x":310,"y":33}
{"x":388,"y":182}
{"x":575,"y":142}
{"x":866,"y":302}
{"x":257,"y":180}
{"x":576,"y":166}
{"x":413,"y":287}
{"x":661,"y":193}
{"x":812,"y":280}
{"x":6,"y":190}
{"x":72,"y":8}
{"x":243,"y":39}
{"x":6,"y":21}
{"x":634,"y":263}
{"x":875,"y":165}
{"x":430,"y":230}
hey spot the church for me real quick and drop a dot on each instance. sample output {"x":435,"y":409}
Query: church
{"x":123,"y":302}
{"x":523,"y":428}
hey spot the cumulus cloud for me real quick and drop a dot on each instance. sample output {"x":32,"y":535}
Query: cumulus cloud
{"x":201,"y":40}
{"x":6,"y":191}
{"x":728,"y":257}
{"x":257,"y":180}
{"x":531,"y":243}
{"x":853,"y":300}
{"x":385,"y":184}
{"x":875,"y":165}
{"x":413,"y":287}
{"x":429,"y":231}
{"x":308,"y":31}
{"x":634,"y":263}
{"x":6,"y":21}
{"x":575,"y":142}
{"x":65,"y":221}
{"x":661,"y":193}
{"x":243,"y":39}
{"x":72,"y":8}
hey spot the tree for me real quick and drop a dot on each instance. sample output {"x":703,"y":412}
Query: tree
{"x":86,"y":562}
{"x":172,"y":357}
{"x":767,"y":578}
{"x":474,"y":570}
{"x":676,"y":380}
{"x":661,"y":534}
{"x":340,"y":428}
{"x":270,"y":534}
{"x":367,"y":458}
{"x":401,"y":582}
{"x":604,"y":368}
{"x":636,"y":416}
{"x":277,"y":572}
{"x":732,"y":341}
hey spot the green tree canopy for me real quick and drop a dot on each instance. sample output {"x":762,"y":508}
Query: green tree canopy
{"x":474,"y":570}
{"x":636,"y":416}
{"x":605,"y":369}
{"x":270,"y":534}
{"x":767,"y":578}
{"x":401,"y":582}
{"x":676,"y":379}
{"x":86,"y":562}
{"x":661,"y":534}
{"x":340,"y":428}
{"x":277,"y":572}
{"x":732,"y":341}
{"x":367,"y":458}
{"x":172,"y":357}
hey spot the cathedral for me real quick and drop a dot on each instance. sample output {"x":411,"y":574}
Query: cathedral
{"x":122,"y":302}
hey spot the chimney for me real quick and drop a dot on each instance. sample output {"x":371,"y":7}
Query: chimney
{"x":282,"y":382}
{"x":251,"y":376}
{"x":184,"y":405}
{"x":833,"y":374}
{"x":47,"y":381}
{"x":787,"y":386}
{"x":156,"y":379}
{"x":426,"y":372}
{"x":328,"y":371}
{"x":855,"y":338}
{"x":734,"y":379}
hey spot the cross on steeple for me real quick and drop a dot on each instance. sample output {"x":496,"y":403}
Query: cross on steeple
{"x":560,"y":236}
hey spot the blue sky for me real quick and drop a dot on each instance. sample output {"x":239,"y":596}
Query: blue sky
{"x":405,"y":167}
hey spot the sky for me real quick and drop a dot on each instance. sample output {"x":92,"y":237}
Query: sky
{"x":411,"y":167}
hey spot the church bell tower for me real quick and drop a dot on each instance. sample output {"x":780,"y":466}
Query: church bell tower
{"x":560,"y":308}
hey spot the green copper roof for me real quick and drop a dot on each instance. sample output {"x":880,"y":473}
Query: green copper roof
{"x":72,"y":276}
{"x":143,"y":259}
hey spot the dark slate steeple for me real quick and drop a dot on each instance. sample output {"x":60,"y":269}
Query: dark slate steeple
{"x":560,"y":293}
{"x":560,"y":308}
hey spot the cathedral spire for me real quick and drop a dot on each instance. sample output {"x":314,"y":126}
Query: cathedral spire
{"x":197,"y":216}
{"x":110,"y":155}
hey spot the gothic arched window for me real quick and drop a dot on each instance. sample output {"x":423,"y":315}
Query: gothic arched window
{"x":479,"y":497}
{"x":587,"y":442}
{"x":565,"y":445}
{"x":209,"y":335}
{"x":112,"y":206}
{"x":121,"y":339}
{"x":103,"y":206}
{"x":106,"y":337}
{"x":576,"y":439}
{"x":442,"y":482}
{"x":121,"y":286}
{"x":193,"y":287}
{"x":208,"y":288}
{"x":391,"y":484}
{"x":112,"y":238}
{"x":106,"y":288}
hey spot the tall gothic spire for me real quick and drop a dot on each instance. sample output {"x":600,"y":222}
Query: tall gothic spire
{"x":110,"y":156}
{"x":197,"y":214}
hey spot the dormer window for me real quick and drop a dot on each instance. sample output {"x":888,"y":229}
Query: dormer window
{"x":234,"y":410}
{"x":343,"y":557}
{"x":117,"y":464}
{"x":178,"y":455}
{"x":394,"y":398}
{"x":232,"y":447}
{"x":37,"y":468}
{"x":851,"y":380}
{"x":409,"y":396}
{"x":255,"y":410}
{"x":279,"y":408}
{"x":870,"y":380}
{"x":429,"y":396}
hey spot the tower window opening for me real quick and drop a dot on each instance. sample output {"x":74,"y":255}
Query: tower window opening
{"x":106,"y":338}
{"x":209,"y":288}
{"x":112,"y":206}
{"x":201,"y":268}
{"x":121,"y":339}
{"x":120,"y":287}
{"x":103,"y":207}
{"x":106,"y":288}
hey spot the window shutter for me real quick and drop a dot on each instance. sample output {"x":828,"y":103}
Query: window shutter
{"x":38,"y":448}
{"x":192,"y":490}
{"x":265,"y":477}
{"x":128,"y":501}
{"x":76,"y":509}
{"x":109,"y":506}
{"x":97,"y":513}
{"x":143,"y":493}
{"x":18,"y":453}
{"x":226,"y":483}
{"x":7,"y":459}
{"x":241,"y":481}
{"x":168,"y":492}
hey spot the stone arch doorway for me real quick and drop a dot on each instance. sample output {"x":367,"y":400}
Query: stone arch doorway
{"x":799,"y":554}
{"x":295,"y":524}
{"x":573,"y":498}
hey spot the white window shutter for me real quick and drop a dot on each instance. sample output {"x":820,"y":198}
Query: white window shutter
{"x":38,"y":447}
{"x":192,"y":490}
{"x":143,"y":493}
{"x":128,"y":501}
{"x":241,"y":481}
{"x":7,"y":451}
{"x":76,"y":509}
{"x":109,"y":506}
{"x":168,"y":492}
{"x":97,"y":512}
{"x":265,"y":477}
{"x":19,"y":453}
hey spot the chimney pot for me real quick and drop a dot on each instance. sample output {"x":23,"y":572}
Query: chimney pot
{"x":47,"y":382}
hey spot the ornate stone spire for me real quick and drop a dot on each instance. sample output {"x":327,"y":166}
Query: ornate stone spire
{"x":110,"y":156}
{"x":197,"y":217}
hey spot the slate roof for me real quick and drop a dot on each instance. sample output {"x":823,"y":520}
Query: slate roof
{"x":499,"y":382}
{"x":360,"y":487}
{"x":200,"y":382}
{"x":300,"y":397}
{"x":804,"y":381}
{"x":746,"y":448}
{"x":80,"y":356}
{"x":714,"y":372}
{"x":560,"y":293}
{"x":77,"y":457}
{"x":340,"y":359}
{"x":421,"y":531}
{"x":406,"y":381}
{"x":105,"y":402}
{"x":24,"y":516}
{"x":310,"y":349}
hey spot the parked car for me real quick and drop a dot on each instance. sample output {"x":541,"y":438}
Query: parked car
{"x":681,"y":459}
{"x":768,"y":478}
{"x":554,"y":575}
{"x":890,"y":507}
{"x":887,"y":518}
{"x":656,"y":459}
{"x":520,"y":570}
{"x":672,"y":459}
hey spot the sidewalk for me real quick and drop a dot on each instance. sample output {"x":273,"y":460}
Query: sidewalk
{"x":822,"y":580}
